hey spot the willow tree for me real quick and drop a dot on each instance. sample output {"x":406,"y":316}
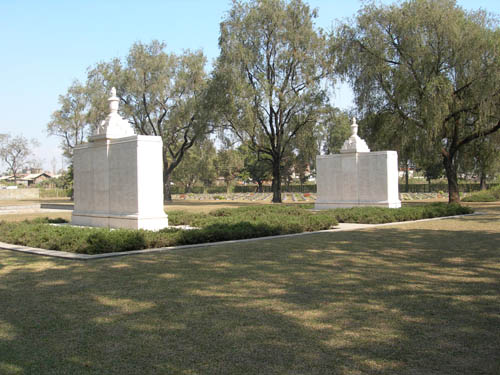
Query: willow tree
{"x":71,"y":122}
{"x":430,"y":66}
{"x":162,"y":94}
{"x":269,"y":76}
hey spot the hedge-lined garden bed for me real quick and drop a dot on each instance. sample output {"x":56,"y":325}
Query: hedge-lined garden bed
{"x":219,"y":225}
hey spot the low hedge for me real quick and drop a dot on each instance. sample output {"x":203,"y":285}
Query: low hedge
{"x":490,"y":195}
{"x":220,"y":225}
{"x":381,"y":215}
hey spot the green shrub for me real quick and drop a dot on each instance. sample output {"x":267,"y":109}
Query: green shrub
{"x":220,"y":225}
{"x":115,"y":240}
{"x":380,"y":215}
{"x":490,"y":195}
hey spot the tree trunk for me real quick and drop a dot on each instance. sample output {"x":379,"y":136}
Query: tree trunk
{"x":259,"y":189}
{"x":482,"y":182}
{"x":276,"y":181}
{"x":451,"y":175}
{"x":167,"y":196}
{"x":407,"y":167}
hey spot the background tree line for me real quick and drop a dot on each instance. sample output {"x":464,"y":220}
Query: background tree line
{"x":425,"y":74}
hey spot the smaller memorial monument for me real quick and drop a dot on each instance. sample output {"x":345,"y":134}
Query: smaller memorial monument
{"x":118,"y":179}
{"x":357,"y":177}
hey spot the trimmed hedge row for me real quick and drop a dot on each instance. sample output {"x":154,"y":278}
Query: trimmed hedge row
{"x":491,"y":195}
{"x":380,"y":215}
{"x":220,"y":225}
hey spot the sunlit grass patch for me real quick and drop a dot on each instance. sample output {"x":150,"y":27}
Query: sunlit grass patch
{"x":417,"y":298}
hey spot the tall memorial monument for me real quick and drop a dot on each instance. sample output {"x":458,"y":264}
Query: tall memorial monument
{"x":118,"y":179}
{"x":357,"y":177}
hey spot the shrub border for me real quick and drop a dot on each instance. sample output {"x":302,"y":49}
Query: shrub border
{"x":85,"y":257}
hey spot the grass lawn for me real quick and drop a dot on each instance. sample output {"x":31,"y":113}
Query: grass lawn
{"x":410,"y":299}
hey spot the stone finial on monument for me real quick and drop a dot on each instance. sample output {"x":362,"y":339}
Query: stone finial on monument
{"x":354,"y":143}
{"x":114,"y":126}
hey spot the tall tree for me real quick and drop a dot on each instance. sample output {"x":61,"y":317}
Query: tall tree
{"x":431,"y":66}
{"x":16,"y":152}
{"x":71,"y":122}
{"x":270,"y":70}
{"x":163,"y":94}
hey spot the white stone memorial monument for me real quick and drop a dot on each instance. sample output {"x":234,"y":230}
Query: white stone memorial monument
{"x":357,"y":177}
{"x":118,"y":179}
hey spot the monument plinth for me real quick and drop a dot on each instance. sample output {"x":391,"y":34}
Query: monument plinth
{"x":357,"y":177}
{"x":118,"y":179}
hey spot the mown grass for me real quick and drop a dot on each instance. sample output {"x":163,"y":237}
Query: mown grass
{"x":219,"y":225}
{"x":420,"y":298}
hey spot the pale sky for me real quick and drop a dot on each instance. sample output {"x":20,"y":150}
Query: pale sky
{"x":48,"y":44}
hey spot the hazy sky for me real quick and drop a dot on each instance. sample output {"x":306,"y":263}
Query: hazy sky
{"x":48,"y":44}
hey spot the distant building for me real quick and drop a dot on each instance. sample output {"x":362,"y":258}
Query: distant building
{"x":6,"y":178}
{"x":33,"y":178}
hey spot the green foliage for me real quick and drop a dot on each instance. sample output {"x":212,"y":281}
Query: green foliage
{"x":256,"y":165}
{"x":161,"y":94}
{"x":336,"y":129}
{"x":270,"y":68}
{"x":74,"y":120}
{"x":482,"y":158}
{"x":15,"y":152}
{"x":490,"y":195}
{"x":378,"y":215}
{"x":426,"y":74}
{"x":220,"y":225}
{"x":229,"y":164}
{"x":115,"y":240}
{"x":283,"y":217}
{"x":197,"y":166}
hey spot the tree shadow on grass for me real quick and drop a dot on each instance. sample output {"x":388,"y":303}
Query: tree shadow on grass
{"x":389,"y":301}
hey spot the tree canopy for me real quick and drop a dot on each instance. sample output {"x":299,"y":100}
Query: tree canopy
{"x":271,"y":63}
{"x":16,"y":152}
{"x":72,"y":121}
{"x":162,"y":94}
{"x":430,"y":67}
